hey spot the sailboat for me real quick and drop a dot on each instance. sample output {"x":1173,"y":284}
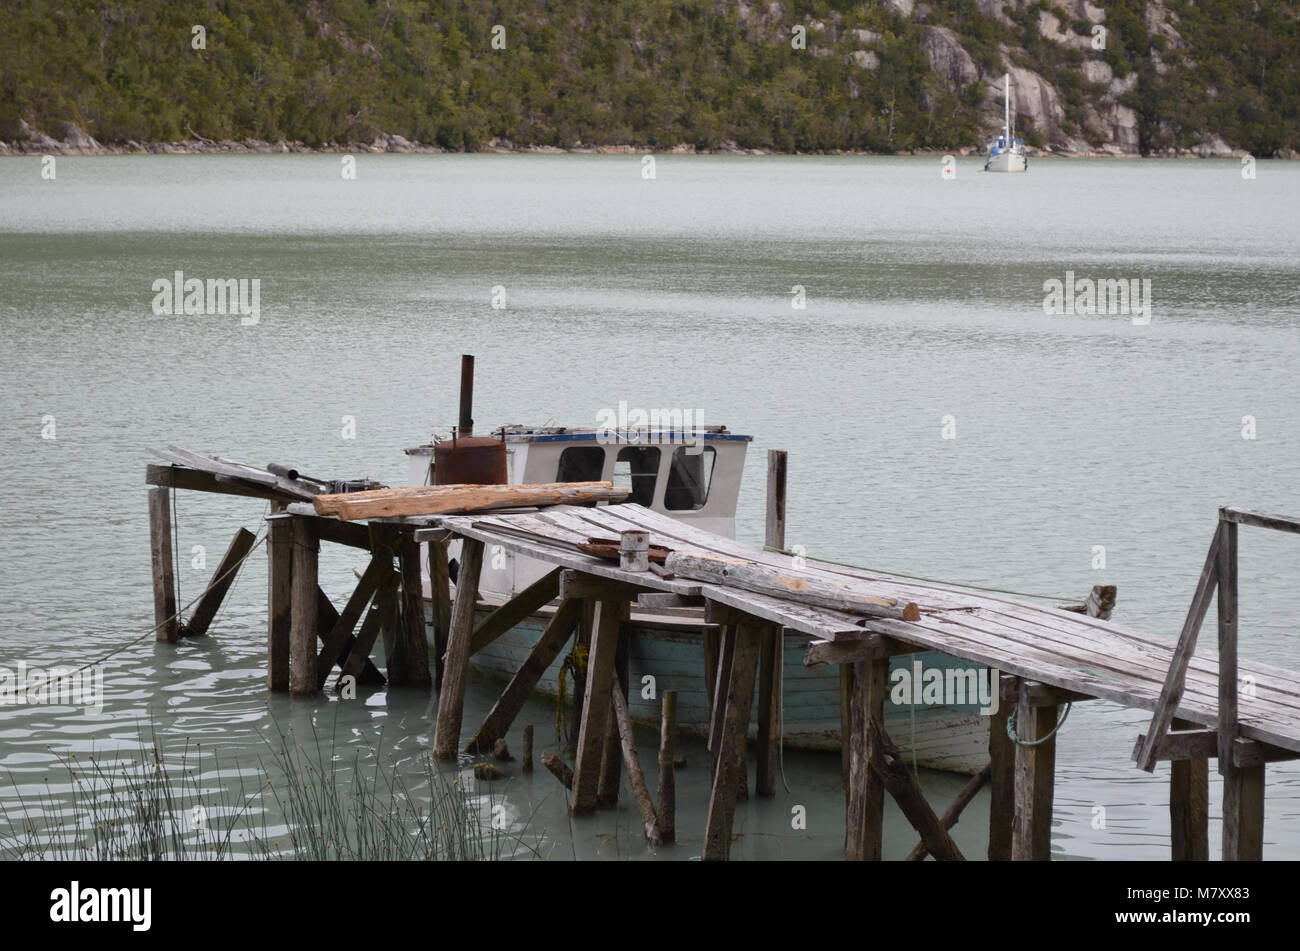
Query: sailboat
{"x":1006,"y":152}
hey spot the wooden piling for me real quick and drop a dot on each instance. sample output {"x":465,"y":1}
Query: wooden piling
{"x":413,"y":624}
{"x":729,"y":774}
{"x":440,"y":585}
{"x":1189,"y":805}
{"x":775,"y":523}
{"x":164,"y":573}
{"x":846,"y":726}
{"x":451,"y":700}
{"x":635,"y":777}
{"x":279,"y":602}
{"x":767,"y":748}
{"x":667,"y":779}
{"x":527,"y":751}
{"x":1031,"y":838}
{"x":866,"y":807}
{"x":303,"y":623}
{"x":596,"y":706}
{"x":611,"y":757}
{"x":1002,"y":776}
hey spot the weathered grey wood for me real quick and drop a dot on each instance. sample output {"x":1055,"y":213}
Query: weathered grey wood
{"x":279,"y":602}
{"x":596,"y":706}
{"x":722,"y":678}
{"x":358,"y":653}
{"x":526,"y":754}
{"x":1172,"y":692}
{"x":740,"y":573}
{"x":710,"y":647}
{"x":1002,"y":779}
{"x":870,"y":647}
{"x":1226,"y":568}
{"x":327,"y":616}
{"x":175,"y":477}
{"x":351,"y":534}
{"x":517,"y":609}
{"x":846,"y":728}
{"x":559,"y":769}
{"x":379,"y":569}
{"x":950,"y":817}
{"x":611,"y":756}
{"x":303,"y":625}
{"x":729,"y":774}
{"x":775,"y":524}
{"x":662,"y":601}
{"x":525,"y":679}
{"x":866,"y":806}
{"x":636,"y":778}
{"x":579,"y":585}
{"x":1189,"y":806}
{"x":1240,"y":516}
{"x":887,"y":762}
{"x":416,"y":647}
{"x":766,"y":749}
{"x":667,"y":780}
{"x":168,"y":625}
{"x":440,"y":592}
{"x":451,"y":699}
{"x":1031,"y":838}
{"x":1243,"y":813}
{"x":582,"y":648}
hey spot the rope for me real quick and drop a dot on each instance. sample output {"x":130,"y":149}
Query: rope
{"x":899,"y":574}
{"x":1011,"y":728}
{"x":154,"y":629}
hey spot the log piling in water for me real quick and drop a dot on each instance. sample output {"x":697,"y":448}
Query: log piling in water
{"x":527,"y":751}
{"x":667,"y":810}
{"x":559,"y":769}
{"x":164,"y":574}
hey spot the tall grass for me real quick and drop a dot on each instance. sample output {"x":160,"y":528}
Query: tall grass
{"x":154,"y":807}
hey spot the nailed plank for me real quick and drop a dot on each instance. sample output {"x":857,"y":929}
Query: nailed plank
{"x":381,"y":613}
{"x":451,"y":699}
{"x":336,"y":641}
{"x":543,"y":654}
{"x":222,"y":579}
{"x":521,"y":606}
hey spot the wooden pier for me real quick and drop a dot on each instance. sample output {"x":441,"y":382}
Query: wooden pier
{"x":1048,"y":658}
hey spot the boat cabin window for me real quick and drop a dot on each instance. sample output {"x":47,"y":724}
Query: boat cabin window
{"x":689,"y":478}
{"x":635,"y":469}
{"x":581,"y":464}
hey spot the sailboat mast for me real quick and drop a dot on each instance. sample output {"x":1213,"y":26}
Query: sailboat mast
{"x":1006,"y":107}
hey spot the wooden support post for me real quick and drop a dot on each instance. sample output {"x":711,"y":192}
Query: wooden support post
{"x":413,"y":624}
{"x":601,"y":660}
{"x":327,"y":616}
{"x":775,"y":525}
{"x":582,"y":647}
{"x":866,"y":808}
{"x":635,"y":778}
{"x":1031,"y":838}
{"x":336,"y":641}
{"x":710,"y":646}
{"x":523,"y":604}
{"x":729,"y":774}
{"x":303,"y":624}
{"x":164,"y":575}
{"x":722,"y":677}
{"x":358,"y":655}
{"x":1002,"y":779}
{"x":949,"y":818}
{"x":667,"y":779}
{"x":1189,"y":806}
{"x":1243,"y":813}
{"x":887,"y":762}
{"x":527,"y":753}
{"x":206,"y":609}
{"x":611,"y":757}
{"x":521,"y":685}
{"x":770,"y":670}
{"x":846,"y":726}
{"x":279,"y":602}
{"x":440,"y":589}
{"x":451,"y":701}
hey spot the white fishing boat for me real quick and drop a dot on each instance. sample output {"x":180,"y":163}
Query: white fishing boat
{"x":1006,"y":152}
{"x":694,"y":477}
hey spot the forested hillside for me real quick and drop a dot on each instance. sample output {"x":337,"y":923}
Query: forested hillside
{"x":811,"y":75}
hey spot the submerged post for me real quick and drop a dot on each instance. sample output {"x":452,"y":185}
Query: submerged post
{"x":279,"y":600}
{"x":164,"y":577}
{"x":303,"y":623}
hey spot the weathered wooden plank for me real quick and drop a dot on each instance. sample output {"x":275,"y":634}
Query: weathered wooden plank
{"x":440,"y":499}
{"x":379,"y":569}
{"x":869,"y":647}
{"x":521,"y":606}
{"x":1226,"y":568}
{"x":887,"y":762}
{"x":279,"y":602}
{"x":1035,"y":777}
{"x":177,"y":477}
{"x":451,"y":699}
{"x":954,"y":811}
{"x":326,"y":617}
{"x":744,"y":574}
{"x":166,"y":622}
{"x":303,"y":625}
{"x":358,"y":654}
{"x":1241,"y":516}
{"x":582,"y":586}
{"x":542,"y":655}
{"x":596,"y":705}
{"x":636,"y":778}
{"x":416,"y":647}
{"x":1243,"y":813}
{"x":866,"y":806}
{"x":1189,"y":805}
{"x":729,"y":774}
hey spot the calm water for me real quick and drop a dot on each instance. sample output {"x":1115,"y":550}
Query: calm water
{"x":924,"y":300}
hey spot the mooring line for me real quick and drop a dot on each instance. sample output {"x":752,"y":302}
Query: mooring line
{"x":899,"y":574}
{"x":1011,"y":727}
{"x":153,"y":630}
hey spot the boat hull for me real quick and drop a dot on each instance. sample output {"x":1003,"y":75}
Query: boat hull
{"x":946,"y":737}
{"x":1006,"y":162}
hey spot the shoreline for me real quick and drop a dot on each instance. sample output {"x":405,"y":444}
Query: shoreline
{"x":84,"y":145}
